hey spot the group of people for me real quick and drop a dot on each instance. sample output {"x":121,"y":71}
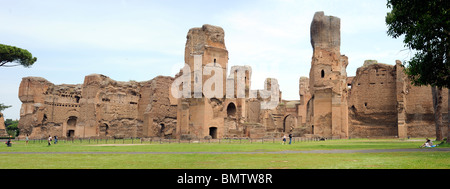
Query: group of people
{"x":50,"y":140}
{"x":428,"y":144}
{"x":8,"y":143}
{"x":284,"y":139}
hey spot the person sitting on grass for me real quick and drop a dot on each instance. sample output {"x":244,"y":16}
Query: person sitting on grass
{"x":8,"y":143}
{"x":428,"y":144}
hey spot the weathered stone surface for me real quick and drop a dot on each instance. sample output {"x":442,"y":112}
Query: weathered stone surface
{"x":3,"y":132}
{"x":373,"y":104}
{"x":384,"y":103}
{"x":100,"y":107}
{"x":221,"y":117}
{"x":305,"y":96}
{"x":207,"y":35}
{"x":328,"y":78}
{"x":378,"y":102}
{"x":325,"y":32}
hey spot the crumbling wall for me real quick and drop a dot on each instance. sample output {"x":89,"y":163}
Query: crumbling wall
{"x":100,"y":107}
{"x":420,"y":113}
{"x":159,"y":112}
{"x":305,"y":96}
{"x":383,"y":103}
{"x":328,"y":78}
{"x":42,"y":111}
{"x":373,"y":102}
{"x":3,"y":132}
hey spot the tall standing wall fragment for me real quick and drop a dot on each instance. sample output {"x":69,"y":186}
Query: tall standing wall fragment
{"x":328,"y":78}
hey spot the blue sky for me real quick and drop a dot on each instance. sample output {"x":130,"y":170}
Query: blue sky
{"x":139,"y":40}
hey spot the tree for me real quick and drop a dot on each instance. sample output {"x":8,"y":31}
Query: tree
{"x":426,"y":27}
{"x":3,"y":107}
{"x":11,"y":127}
{"x":11,"y":54}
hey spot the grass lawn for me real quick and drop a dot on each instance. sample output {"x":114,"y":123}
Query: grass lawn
{"x":384,"y":160}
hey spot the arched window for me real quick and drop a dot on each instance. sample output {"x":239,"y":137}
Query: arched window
{"x":72,"y":121}
{"x":104,"y":129}
{"x":322,"y":73}
{"x":231,"y":110}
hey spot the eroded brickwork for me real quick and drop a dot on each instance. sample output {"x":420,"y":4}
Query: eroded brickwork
{"x":378,"y":101}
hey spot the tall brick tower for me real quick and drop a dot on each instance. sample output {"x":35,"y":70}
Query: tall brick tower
{"x":328,"y":78}
{"x":198,"y":115}
{"x":207,"y":41}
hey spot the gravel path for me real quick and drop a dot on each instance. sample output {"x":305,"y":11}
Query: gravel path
{"x":277,"y":152}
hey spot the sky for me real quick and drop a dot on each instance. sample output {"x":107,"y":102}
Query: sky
{"x":139,"y":40}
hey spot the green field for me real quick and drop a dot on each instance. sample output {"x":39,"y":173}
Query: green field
{"x":122,"y":155}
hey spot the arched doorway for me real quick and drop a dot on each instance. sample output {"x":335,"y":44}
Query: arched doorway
{"x":104,"y":129}
{"x":288,"y":123}
{"x":162,"y":127}
{"x":71,"y":124}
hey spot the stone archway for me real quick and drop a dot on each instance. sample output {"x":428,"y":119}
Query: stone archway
{"x":231,"y":125}
{"x":162,"y":129}
{"x":71,"y":126}
{"x":104,"y":128}
{"x":288,"y":123}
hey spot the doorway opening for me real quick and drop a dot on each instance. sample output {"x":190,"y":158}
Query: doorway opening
{"x":70,"y":133}
{"x":71,"y":124}
{"x":288,"y":123}
{"x":162,"y":127}
{"x":104,"y":129}
{"x":213,"y":132}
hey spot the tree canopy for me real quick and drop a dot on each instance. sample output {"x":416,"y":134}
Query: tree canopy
{"x":11,"y":54}
{"x":426,"y":27}
{"x":2,"y":107}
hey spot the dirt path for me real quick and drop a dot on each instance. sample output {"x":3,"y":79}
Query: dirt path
{"x":277,"y":152}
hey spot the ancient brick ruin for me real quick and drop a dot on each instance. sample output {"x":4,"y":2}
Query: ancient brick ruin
{"x":3,"y":132}
{"x":378,"y":102}
{"x":99,"y":107}
{"x":382,"y":102}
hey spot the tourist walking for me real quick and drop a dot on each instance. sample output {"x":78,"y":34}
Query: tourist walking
{"x":49,"y":140}
{"x":26,"y":140}
{"x":56,"y":139}
{"x":284,"y":140}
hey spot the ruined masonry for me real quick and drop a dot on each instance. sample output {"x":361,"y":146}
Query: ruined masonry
{"x":3,"y":132}
{"x":378,"y":102}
